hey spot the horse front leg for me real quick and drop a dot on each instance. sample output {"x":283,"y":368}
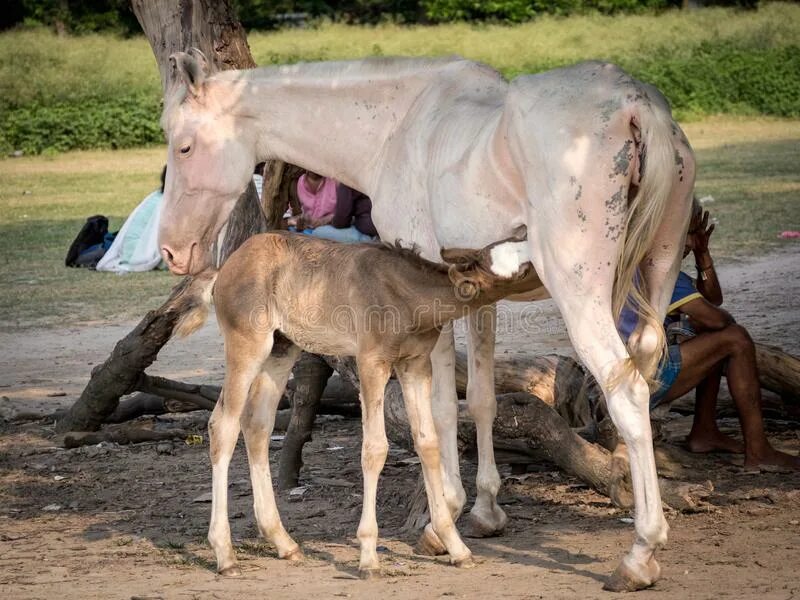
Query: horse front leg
{"x":444,"y":403}
{"x":486,"y":517}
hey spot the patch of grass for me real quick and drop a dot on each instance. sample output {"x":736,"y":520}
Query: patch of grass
{"x":748,"y":165}
{"x":101,"y":91}
{"x":43,"y":204}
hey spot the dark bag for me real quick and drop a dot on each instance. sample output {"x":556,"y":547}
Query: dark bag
{"x":93,"y":232}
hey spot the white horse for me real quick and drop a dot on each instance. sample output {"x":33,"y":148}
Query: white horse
{"x":586,"y":159}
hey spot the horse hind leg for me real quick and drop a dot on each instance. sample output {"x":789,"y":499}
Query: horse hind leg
{"x":257,"y":422}
{"x":599,"y":346}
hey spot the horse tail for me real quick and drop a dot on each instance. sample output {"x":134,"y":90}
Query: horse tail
{"x":196,"y":299}
{"x":644,"y":215}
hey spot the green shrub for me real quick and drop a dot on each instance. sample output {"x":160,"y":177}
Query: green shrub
{"x":114,"y":123}
{"x":93,"y":91}
{"x":723,"y":78}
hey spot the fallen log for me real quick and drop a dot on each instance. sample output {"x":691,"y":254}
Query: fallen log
{"x":141,"y":404}
{"x":127,"y":435}
{"x":779,"y":372}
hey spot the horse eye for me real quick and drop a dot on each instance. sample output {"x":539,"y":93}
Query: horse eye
{"x":185,"y":149}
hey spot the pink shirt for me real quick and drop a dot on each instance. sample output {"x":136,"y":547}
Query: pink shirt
{"x":320,"y":203}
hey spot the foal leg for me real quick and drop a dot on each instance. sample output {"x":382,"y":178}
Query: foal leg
{"x":257,"y":422}
{"x":244,"y":355}
{"x":486,"y":517}
{"x":444,"y":403}
{"x":373,"y":375}
{"x":415,"y":378}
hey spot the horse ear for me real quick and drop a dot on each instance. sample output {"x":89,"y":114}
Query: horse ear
{"x":190,"y":71}
{"x":201,"y":59}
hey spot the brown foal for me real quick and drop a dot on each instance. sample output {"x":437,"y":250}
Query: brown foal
{"x":281,"y":293}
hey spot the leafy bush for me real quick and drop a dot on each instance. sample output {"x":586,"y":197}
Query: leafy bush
{"x":113,"y":123}
{"x":724,"y":78}
{"x":92,"y":91}
{"x":517,"y":11}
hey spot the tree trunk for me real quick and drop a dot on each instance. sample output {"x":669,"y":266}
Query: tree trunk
{"x":177,"y":25}
{"x":170,"y":26}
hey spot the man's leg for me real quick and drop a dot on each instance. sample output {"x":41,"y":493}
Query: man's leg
{"x":700,"y":355}
{"x":705,"y":436}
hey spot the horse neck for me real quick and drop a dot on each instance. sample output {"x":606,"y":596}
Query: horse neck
{"x":332,"y":121}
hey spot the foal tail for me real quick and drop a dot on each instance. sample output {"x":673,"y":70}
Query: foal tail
{"x":645,"y":213}
{"x":196,"y":300}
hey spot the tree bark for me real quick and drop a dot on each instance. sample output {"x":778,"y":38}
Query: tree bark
{"x":177,"y":25}
{"x":779,"y":372}
{"x":121,"y":371}
{"x":170,"y":26}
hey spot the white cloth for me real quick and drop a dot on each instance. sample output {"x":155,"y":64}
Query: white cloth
{"x":136,"y":246}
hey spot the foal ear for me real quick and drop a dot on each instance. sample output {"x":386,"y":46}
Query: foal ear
{"x":190,"y":71}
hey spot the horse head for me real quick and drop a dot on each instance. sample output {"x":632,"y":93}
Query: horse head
{"x":210,"y":160}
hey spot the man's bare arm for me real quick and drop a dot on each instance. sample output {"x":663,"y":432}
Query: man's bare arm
{"x":704,"y":316}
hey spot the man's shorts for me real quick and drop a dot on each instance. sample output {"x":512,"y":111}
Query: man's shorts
{"x":668,"y":371}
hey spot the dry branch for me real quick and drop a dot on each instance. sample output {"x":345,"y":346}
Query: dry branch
{"x":127,"y":435}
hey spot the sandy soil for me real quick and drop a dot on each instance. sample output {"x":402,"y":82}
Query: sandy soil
{"x":125,"y":522}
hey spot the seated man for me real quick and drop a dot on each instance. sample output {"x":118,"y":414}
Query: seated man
{"x":712,"y":344}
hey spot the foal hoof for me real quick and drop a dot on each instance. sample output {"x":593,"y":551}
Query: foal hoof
{"x":367,"y":574}
{"x":295,"y":555}
{"x":626,"y":579}
{"x":429,"y":544}
{"x":233,"y":571}
{"x":464,"y":563}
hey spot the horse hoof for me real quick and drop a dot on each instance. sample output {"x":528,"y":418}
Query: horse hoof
{"x":233,"y":571}
{"x":464,"y":563}
{"x":367,"y":574}
{"x":477,"y":527}
{"x":295,"y":555}
{"x":429,"y":544}
{"x":625,"y":579}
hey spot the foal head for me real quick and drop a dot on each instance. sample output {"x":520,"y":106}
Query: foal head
{"x":210,"y":160}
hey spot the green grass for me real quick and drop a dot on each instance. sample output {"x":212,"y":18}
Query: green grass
{"x":43,"y":204}
{"x":99,"y":91}
{"x":748,"y":165}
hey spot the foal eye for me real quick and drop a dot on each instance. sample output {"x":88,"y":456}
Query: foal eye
{"x":185,"y":149}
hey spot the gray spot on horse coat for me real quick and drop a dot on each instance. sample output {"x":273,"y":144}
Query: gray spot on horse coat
{"x":622,"y":161}
{"x":617,"y":204}
{"x":608,"y":108}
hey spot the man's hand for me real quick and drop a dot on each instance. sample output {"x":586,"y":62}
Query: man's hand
{"x":698,"y":239}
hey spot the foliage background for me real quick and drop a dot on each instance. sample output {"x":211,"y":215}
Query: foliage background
{"x":101,"y":90}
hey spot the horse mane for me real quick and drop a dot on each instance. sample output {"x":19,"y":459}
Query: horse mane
{"x":412,"y":255}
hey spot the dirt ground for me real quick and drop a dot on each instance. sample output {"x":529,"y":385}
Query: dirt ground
{"x":130,"y":521}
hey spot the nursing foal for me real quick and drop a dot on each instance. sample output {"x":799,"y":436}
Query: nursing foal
{"x":282,"y":292}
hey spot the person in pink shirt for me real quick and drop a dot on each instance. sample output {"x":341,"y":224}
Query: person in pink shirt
{"x":330,"y":210}
{"x":317,"y":195}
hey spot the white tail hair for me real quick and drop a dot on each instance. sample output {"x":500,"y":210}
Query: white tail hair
{"x":645,"y":213}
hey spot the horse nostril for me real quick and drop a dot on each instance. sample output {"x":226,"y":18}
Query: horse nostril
{"x":167,"y":254}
